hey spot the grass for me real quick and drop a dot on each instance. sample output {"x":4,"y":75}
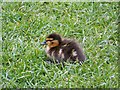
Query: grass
{"x":25,"y":25}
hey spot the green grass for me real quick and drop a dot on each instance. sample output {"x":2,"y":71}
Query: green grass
{"x":25,"y":25}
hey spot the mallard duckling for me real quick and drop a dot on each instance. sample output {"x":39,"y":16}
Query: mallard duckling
{"x":63,"y":49}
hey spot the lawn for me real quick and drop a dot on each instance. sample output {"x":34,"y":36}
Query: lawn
{"x":25,"y":25}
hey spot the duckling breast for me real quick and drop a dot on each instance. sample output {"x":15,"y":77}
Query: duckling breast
{"x":55,"y":53}
{"x":48,"y":51}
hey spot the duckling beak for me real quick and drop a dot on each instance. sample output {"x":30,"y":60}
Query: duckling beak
{"x":43,"y":43}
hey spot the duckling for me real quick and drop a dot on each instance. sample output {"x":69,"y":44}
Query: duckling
{"x":62,"y":50}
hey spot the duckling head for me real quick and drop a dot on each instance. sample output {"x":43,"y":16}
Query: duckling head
{"x":52,"y":40}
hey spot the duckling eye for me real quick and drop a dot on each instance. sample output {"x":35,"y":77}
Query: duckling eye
{"x":52,"y":42}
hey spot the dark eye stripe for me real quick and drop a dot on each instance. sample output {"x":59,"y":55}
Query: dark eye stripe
{"x":49,"y":40}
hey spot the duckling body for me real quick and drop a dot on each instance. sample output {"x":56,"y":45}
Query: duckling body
{"x":63,"y":49}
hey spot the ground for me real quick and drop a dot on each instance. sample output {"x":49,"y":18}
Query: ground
{"x":25,"y":25}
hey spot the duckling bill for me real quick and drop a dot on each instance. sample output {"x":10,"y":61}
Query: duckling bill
{"x":63,"y":49}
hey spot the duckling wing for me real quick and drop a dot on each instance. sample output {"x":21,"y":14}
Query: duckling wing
{"x":73,"y":51}
{"x":67,"y":48}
